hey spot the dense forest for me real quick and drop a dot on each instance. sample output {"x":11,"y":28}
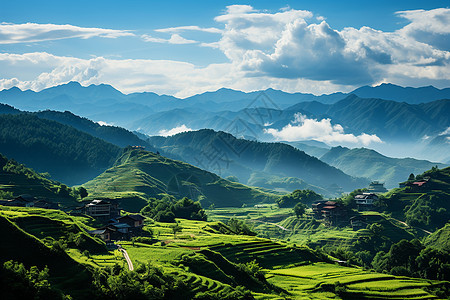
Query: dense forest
{"x":69,"y":155}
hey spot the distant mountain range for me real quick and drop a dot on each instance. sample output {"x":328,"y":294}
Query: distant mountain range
{"x":397,"y":93}
{"x":371,"y":164}
{"x":104,"y":103}
{"x":389,"y":120}
{"x":243,"y":115}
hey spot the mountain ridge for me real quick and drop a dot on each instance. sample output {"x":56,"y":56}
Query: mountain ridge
{"x":371,"y":164}
{"x":240,"y":157}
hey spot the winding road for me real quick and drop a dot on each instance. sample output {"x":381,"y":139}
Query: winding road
{"x":127,"y":258}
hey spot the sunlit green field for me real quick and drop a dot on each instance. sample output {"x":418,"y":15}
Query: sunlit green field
{"x":310,"y":281}
{"x":207,"y":255}
{"x":292,"y":269}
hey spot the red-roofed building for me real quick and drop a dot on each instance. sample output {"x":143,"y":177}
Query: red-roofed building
{"x":331,"y":212}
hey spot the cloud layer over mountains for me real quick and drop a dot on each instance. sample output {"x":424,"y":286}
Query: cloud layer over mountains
{"x":289,"y":49}
{"x":304,"y":128}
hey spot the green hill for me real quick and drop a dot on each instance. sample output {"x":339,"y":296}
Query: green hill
{"x":313,"y":148}
{"x":225,"y":154}
{"x":16,"y":179}
{"x":204,"y":261}
{"x":368,"y":163}
{"x":69,"y":155}
{"x":65,"y":273}
{"x":439,"y":239}
{"x":424,"y":206}
{"x":138,"y":175}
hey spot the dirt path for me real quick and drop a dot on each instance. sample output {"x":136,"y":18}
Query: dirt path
{"x":274,"y":224}
{"x":404,"y":223}
{"x":127,"y":258}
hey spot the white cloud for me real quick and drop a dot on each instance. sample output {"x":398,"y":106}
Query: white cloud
{"x":101,"y":123}
{"x":239,"y":9}
{"x":445,"y":132}
{"x":430,"y":27}
{"x":40,"y":70}
{"x":290,"y":44}
{"x":303,"y":128}
{"x":173,"y":131}
{"x":190,"y":28}
{"x":32,"y":32}
{"x":174,"y":39}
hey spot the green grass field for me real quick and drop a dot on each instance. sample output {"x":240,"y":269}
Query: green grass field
{"x":208,"y":260}
{"x":312,"y":282}
{"x":296,"y":270}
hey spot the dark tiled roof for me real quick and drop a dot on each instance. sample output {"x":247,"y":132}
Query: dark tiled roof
{"x":133,"y":217}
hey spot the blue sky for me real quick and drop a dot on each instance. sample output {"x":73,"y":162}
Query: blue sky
{"x":182,"y":48}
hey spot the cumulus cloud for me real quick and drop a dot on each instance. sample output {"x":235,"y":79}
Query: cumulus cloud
{"x":303,"y":128}
{"x":175,"y":130}
{"x":430,"y":27}
{"x":39,"y":70}
{"x":291,"y":50}
{"x":174,"y":39}
{"x":32,"y":32}
{"x":293,"y":44}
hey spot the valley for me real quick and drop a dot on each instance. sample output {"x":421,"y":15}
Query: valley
{"x":217,"y":213}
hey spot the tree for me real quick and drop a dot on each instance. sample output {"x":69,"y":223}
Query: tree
{"x":411,"y":177}
{"x":82,"y":192}
{"x":240,"y":227}
{"x":376,"y":228}
{"x":304,"y":196}
{"x":167,"y":209}
{"x":299,"y":209}
{"x":63,"y":190}
{"x":176,"y":228}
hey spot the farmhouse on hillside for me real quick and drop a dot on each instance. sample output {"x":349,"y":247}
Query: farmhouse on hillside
{"x":102,"y":209}
{"x":331,"y":212}
{"x":365,"y":201}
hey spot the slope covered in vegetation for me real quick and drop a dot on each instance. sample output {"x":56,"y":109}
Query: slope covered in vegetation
{"x":17,"y":179}
{"x":241,"y":158}
{"x":371,"y":164}
{"x":69,"y":155}
{"x":139,"y":174}
{"x":423,"y":204}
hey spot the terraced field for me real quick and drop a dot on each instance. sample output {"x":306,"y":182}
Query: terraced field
{"x":208,"y":259}
{"x":267,"y":253}
{"x":202,"y":283}
{"x":321,"y":280}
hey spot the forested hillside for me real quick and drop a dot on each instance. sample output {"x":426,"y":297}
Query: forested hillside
{"x":239,"y":157}
{"x":371,"y":164}
{"x":423,"y":205}
{"x":69,"y":155}
{"x":17,"y":179}
{"x":112,"y":134}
